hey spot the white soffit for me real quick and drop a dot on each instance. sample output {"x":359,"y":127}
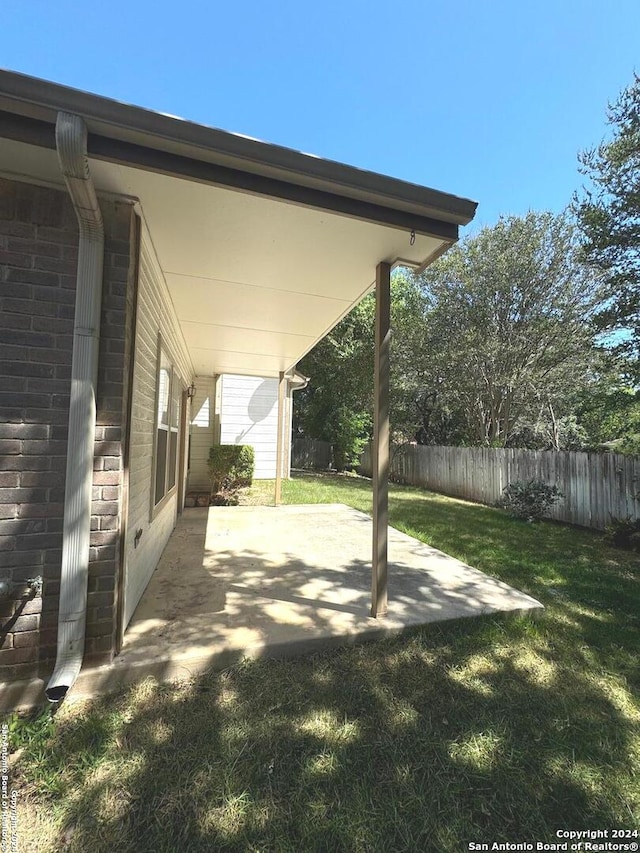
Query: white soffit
{"x":255,"y":282}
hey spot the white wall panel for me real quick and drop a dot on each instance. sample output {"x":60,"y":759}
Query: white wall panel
{"x":249,"y":415}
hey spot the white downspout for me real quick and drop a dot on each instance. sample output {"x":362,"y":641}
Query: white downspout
{"x":71,"y":143}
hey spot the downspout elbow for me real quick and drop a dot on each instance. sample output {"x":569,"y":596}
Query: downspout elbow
{"x":298,"y":381}
{"x":71,"y":144}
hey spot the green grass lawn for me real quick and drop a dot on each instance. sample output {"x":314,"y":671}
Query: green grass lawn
{"x":486,"y":730}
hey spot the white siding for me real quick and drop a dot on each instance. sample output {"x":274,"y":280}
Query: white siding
{"x":204,"y":432}
{"x":155,"y":315}
{"x":249,"y":415}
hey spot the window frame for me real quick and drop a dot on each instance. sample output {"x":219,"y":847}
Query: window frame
{"x":175,"y":390}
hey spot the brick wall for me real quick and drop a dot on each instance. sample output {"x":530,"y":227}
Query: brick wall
{"x":38,"y":257}
{"x":116,"y":344}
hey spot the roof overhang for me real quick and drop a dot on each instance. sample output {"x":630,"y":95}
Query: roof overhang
{"x":263,"y":248}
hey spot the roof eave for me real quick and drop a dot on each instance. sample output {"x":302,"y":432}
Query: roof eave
{"x":123,"y":129}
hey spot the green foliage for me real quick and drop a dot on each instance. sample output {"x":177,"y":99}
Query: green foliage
{"x":568,"y":434}
{"x":508,"y":342}
{"x":530,"y":500}
{"x":630,"y":445}
{"x":491,"y":346}
{"x":350,"y":430}
{"x":336,"y":406}
{"x":231,"y":468}
{"x":624,"y":533}
{"x":610,"y":414}
{"x":338,"y":403}
{"x":609,"y":217}
{"x":31,"y":729}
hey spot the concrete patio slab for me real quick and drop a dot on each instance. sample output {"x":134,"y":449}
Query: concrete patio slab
{"x":239,"y":582}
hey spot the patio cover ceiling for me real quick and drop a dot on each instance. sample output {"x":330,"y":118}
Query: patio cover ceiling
{"x":263,"y":249}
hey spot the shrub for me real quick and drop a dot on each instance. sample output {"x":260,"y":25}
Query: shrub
{"x":529,"y":500}
{"x":624,"y":533}
{"x":349,"y":435}
{"x":231,"y":468}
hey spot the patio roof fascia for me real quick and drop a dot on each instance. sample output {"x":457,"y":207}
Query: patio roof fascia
{"x":134,"y":136}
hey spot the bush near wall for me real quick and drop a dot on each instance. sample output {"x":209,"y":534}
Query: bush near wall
{"x":596,"y":486}
{"x":531,"y":500}
{"x":231,"y":468}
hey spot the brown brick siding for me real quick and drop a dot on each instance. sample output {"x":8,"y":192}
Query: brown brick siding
{"x":38,"y":255}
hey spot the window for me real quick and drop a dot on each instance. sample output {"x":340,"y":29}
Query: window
{"x":169,"y":395}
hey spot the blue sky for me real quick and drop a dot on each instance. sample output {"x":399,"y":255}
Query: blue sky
{"x":489,"y":100}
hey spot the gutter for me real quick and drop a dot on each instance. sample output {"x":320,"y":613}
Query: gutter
{"x":127,"y":134}
{"x":71,"y":144}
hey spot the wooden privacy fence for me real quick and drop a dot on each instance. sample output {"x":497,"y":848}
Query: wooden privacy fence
{"x":596,"y":486}
{"x":309,"y":453}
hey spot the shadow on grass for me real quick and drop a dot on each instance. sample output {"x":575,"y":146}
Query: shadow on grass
{"x":485,"y":730}
{"x":588,"y":588}
{"x":421,"y":743}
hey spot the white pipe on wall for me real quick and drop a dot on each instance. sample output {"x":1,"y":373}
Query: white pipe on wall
{"x":71,"y":143}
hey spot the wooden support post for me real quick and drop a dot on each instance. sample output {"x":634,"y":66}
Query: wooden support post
{"x":280,"y":439}
{"x":380,"y":450}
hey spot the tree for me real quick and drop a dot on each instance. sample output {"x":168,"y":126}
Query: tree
{"x":491,"y":345}
{"x":509,"y":341}
{"x":609,"y":410}
{"x":609,"y":217}
{"x":414,"y":408}
{"x":418,"y":411}
{"x":336,"y":405}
